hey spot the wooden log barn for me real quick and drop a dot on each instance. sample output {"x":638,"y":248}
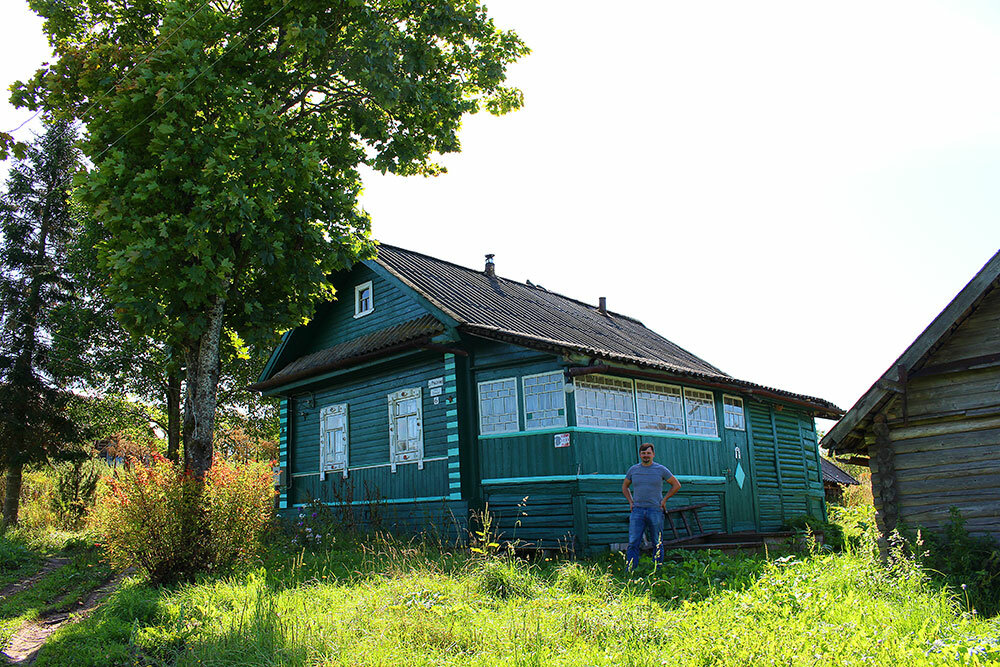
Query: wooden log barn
{"x":428,"y":389}
{"x":929,"y":428}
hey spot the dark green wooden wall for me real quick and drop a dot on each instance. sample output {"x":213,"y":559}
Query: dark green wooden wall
{"x":369,"y":473}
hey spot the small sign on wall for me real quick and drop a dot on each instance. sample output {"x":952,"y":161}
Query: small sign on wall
{"x":435,"y":382}
{"x":561,"y":440}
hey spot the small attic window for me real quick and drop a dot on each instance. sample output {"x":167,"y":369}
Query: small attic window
{"x":364,"y":299}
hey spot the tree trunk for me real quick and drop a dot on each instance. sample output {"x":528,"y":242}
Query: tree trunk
{"x":173,"y":416}
{"x":201,"y":393}
{"x":12,"y":495}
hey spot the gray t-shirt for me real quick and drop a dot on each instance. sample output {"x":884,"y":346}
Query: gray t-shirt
{"x":647,"y":484}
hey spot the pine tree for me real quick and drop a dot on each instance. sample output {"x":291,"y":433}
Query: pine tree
{"x":35,"y":227}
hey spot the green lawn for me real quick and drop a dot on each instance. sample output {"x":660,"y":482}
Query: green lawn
{"x":378,"y":602}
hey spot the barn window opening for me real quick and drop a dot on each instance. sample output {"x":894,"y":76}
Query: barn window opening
{"x":544,"y":401}
{"x":498,"y":406}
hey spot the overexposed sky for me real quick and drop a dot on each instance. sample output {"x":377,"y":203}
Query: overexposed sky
{"x":790,"y":190}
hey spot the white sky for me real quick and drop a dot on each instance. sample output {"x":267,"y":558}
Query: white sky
{"x":789,"y":190}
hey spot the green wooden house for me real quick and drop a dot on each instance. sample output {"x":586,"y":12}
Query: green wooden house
{"x":429,"y":389}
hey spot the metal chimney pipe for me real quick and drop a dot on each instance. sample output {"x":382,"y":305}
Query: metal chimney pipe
{"x":603,"y":305}
{"x":490,"y":269}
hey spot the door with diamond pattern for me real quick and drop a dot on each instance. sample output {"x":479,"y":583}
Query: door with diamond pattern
{"x":736,"y":458}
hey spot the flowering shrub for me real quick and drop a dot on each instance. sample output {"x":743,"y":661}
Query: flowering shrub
{"x":156,"y":518}
{"x":313,"y":526}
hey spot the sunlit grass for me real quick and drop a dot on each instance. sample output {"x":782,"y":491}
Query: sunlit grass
{"x":381,"y":602}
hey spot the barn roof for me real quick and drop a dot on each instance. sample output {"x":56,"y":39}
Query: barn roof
{"x":833,"y":473}
{"x":507,"y":310}
{"x":846,"y":434}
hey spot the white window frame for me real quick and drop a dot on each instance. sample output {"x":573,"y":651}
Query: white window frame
{"x":705,"y":396}
{"x":725,"y":413}
{"x":410,"y":455}
{"x":490,"y":429}
{"x":594,"y":380}
{"x":325,"y":431}
{"x":358,"y":290}
{"x":658,"y":388}
{"x":561,"y":393}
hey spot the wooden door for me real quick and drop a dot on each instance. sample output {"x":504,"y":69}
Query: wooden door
{"x":736,"y":456}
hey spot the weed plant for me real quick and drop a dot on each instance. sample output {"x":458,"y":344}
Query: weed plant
{"x":375,"y":600}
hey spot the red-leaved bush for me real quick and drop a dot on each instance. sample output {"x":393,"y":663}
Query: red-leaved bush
{"x":157,"y":518}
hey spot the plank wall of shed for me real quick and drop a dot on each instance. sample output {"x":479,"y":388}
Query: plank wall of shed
{"x":946,"y":453}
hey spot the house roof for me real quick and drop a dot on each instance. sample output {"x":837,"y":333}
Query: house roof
{"x":401,"y":336}
{"x":846,"y":433}
{"x":507,"y":310}
{"x":832,"y":473}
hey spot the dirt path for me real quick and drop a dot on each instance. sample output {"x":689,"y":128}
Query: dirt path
{"x":29,"y":638}
{"x":51,"y":565}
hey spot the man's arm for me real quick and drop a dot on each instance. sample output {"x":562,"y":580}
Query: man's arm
{"x":628,"y":494}
{"x":675,"y":486}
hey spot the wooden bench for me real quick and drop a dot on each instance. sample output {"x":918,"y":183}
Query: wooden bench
{"x":683,"y":513}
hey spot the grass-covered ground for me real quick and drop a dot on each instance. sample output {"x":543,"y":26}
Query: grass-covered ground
{"x":376,"y":601}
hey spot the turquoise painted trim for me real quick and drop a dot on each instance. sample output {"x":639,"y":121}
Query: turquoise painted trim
{"x":454,"y":465}
{"x":283,"y":504}
{"x":452,"y":425}
{"x":454,"y":485}
{"x":454,"y":496}
{"x":690,"y":479}
{"x":451,"y":413}
{"x":454,"y":475}
{"x":588,"y":429}
{"x":453,"y":437}
{"x":453,"y":451}
{"x":449,"y":366}
{"x":449,"y":389}
{"x":391,"y":501}
{"x":450,"y":377}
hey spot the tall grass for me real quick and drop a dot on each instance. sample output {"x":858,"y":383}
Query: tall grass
{"x":379,"y":601}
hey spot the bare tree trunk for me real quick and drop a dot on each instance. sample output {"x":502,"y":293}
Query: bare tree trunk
{"x":12,"y":495}
{"x":173,"y":416}
{"x":201,"y":393}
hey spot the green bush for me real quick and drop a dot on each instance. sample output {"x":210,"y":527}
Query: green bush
{"x":578,"y":579}
{"x":833,"y":534}
{"x":161,"y":520}
{"x":970,"y":565}
{"x":503,"y":578}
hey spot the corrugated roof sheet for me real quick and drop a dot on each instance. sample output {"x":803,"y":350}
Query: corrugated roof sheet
{"x":831,"y":473}
{"x":421,"y":328}
{"x":502,"y":309}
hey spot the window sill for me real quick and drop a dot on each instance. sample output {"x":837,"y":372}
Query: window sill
{"x":367,"y":312}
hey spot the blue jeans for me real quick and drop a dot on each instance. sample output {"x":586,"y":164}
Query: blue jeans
{"x":639,"y":521}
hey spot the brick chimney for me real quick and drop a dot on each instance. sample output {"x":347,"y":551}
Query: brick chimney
{"x":491,"y":269}
{"x":603,"y":305}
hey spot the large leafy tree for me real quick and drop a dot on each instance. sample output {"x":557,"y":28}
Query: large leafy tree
{"x":226,"y":138}
{"x":35,"y":228}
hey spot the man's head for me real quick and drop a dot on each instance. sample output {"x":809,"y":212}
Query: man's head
{"x":646,"y":453}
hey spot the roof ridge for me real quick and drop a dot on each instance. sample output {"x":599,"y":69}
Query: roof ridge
{"x":510,"y":280}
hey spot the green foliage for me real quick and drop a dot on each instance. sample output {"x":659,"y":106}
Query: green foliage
{"x":226,"y":141}
{"x":833,"y":534}
{"x":163,"y":521}
{"x":504,"y":578}
{"x":382,"y":601}
{"x":14,"y":551}
{"x":35,"y":228}
{"x":968,"y":564}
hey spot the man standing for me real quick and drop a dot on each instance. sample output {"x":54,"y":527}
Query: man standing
{"x":647,"y":504}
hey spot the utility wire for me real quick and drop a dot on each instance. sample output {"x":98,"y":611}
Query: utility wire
{"x":129,"y":70}
{"x":197,"y":76}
